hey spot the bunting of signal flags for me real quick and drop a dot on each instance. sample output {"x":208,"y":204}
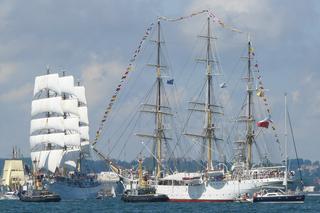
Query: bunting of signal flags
{"x":138,"y":50}
{"x":261,"y":94}
{"x":211,"y":15}
{"x":182,"y":17}
{"x":123,"y":78}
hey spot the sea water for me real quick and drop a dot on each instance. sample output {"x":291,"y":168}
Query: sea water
{"x":312,"y":204}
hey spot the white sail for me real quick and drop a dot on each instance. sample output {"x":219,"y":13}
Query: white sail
{"x":50,"y":81}
{"x":71,"y":123}
{"x":72,"y":140}
{"x":67,"y":84}
{"x":70,"y":106}
{"x":47,"y":159}
{"x":85,"y":147}
{"x":39,"y":158}
{"x":70,"y":163}
{"x":71,"y":157}
{"x":55,"y":123}
{"x":83,"y":113}
{"x":84,"y":132}
{"x":52,"y":104}
{"x":53,"y":138}
{"x":80,"y":93}
{"x":54,"y":159}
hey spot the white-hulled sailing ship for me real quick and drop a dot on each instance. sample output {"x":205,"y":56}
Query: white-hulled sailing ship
{"x":59,"y":137}
{"x":215,"y":183}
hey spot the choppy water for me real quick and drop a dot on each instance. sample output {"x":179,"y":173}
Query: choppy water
{"x":312,"y":204}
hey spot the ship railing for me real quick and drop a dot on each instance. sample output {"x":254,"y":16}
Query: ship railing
{"x":264,"y":175}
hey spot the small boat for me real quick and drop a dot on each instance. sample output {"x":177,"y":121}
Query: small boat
{"x":42,"y":195}
{"x":143,"y":195}
{"x":144,"y":192}
{"x":244,"y":198}
{"x":36,"y":192}
{"x":10,"y":195}
{"x":105,"y":194}
{"x":278,"y":197}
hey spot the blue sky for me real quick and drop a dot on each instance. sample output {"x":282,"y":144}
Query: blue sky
{"x":94,"y":40}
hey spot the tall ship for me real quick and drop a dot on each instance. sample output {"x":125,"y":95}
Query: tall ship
{"x":59,"y":137}
{"x":216,"y":182}
{"x":13,"y":176}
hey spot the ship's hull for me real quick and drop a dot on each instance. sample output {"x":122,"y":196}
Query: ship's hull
{"x":72,"y":192}
{"x":215,"y":191}
{"x":280,"y":199}
{"x":44,"y":198}
{"x":145,"y":198}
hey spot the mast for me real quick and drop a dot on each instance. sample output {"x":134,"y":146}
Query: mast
{"x":250,"y":132}
{"x":158,"y":116}
{"x":207,"y":106}
{"x":48,"y":114}
{"x":285,"y":182}
{"x":80,"y":153}
{"x":209,"y":125}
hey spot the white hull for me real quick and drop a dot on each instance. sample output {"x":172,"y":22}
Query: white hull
{"x":68,"y":192}
{"x":215,"y":191}
{"x":9,"y":197}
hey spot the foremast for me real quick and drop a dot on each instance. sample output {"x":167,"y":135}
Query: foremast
{"x":209,"y":122}
{"x":159,"y":110}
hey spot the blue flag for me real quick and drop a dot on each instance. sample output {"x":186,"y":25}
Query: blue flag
{"x":170,"y":81}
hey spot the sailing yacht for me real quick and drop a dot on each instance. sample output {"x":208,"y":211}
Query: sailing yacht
{"x":59,"y":136}
{"x":279,"y":195}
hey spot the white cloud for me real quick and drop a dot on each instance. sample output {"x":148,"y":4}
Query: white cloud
{"x":17,"y":94}
{"x":100,"y":80}
{"x":6,"y":72}
{"x":5,"y":10}
{"x":296,"y":96}
{"x":247,"y":15}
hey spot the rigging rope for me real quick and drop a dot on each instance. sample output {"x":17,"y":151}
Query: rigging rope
{"x":295,"y":148}
{"x":138,"y":51}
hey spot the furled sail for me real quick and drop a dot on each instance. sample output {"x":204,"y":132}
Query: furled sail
{"x":43,"y":105}
{"x":55,"y":123}
{"x":50,"y":81}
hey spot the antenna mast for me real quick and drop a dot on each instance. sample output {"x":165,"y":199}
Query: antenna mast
{"x":285,"y":142}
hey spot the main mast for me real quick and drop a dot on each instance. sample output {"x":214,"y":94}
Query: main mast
{"x":250,"y":119}
{"x":209,"y":124}
{"x":158,"y":116}
{"x":48,"y":114}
